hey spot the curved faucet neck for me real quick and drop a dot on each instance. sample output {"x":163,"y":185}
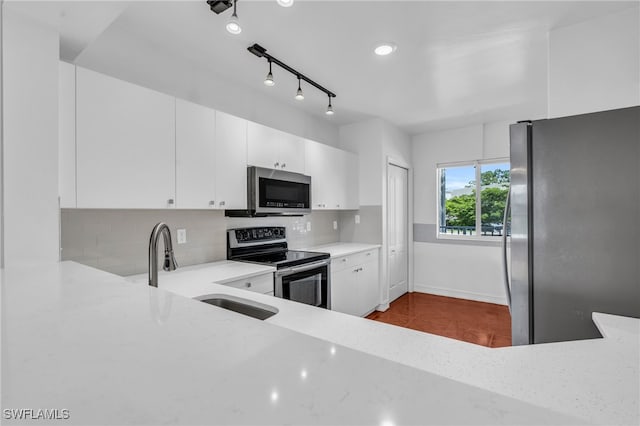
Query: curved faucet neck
{"x":170,"y":263}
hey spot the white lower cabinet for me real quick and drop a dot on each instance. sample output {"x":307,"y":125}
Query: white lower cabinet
{"x":259,"y":284}
{"x":355,"y":283}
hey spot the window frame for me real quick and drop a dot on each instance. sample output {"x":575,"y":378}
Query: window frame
{"x":478,"y":167}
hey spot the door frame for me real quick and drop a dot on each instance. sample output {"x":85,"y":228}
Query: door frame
{"x":384,"y":272}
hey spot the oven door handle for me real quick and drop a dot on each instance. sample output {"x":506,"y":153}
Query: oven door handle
{"x":296,"y":269}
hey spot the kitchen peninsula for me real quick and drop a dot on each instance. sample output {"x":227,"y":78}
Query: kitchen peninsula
{"x":112,"y":351}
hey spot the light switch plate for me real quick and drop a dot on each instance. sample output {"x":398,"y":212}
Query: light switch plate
{"x":308,"y":226}
{"x":357,"y":219}
{"x":335,"y":225}
{"x":182,"y":236}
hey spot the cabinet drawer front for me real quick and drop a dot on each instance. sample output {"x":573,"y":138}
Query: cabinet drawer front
{"x":353,"y":260}
{"x":342,"y":263}
{"x":259,"y":284}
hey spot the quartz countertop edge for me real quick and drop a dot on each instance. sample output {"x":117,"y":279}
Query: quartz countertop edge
{"x":342,"y":249}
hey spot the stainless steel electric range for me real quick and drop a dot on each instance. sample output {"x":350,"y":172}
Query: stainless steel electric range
{"x":301,"y":276}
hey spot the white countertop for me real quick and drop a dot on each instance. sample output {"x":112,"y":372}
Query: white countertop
{"x":597,"y":380}
{"x":343,"y":249}
{"x":115,"y":352}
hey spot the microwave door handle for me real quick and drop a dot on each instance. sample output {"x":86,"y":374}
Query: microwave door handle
{"x":296,"y":269}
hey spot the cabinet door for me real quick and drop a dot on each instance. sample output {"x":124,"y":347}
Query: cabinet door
{"x":344,"y":292}
{"x":125,"y":144}
{"x":67,"y":135}
{"x":195,"y":156}
{"x":318,"y":166}
{"x":231,"y":162}
{"x":262,"y":146}
{"x":350,"y":193}
{"x":368,"y":287}
{"x":337,"y":179}
{"x":291,"y":153}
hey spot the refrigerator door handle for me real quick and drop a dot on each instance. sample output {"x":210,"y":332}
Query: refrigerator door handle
{"x":505,"y":266}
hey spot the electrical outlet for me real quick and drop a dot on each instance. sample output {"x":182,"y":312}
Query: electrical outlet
{"x":182,"y":236}
{"x":308,"y":226}
{"x":357,"y":219}
{"x":335,"y":225}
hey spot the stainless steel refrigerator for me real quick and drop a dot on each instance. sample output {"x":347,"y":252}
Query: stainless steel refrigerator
{"x":575,"y":224}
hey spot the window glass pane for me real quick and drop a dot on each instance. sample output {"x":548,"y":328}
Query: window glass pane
{"x":494,"y":186}
{"x":458,"y":200}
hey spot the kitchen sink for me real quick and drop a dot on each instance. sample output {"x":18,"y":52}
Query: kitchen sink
{"x":240,"y":305}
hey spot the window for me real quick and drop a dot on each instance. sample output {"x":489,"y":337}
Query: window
{"x":460,"y":211}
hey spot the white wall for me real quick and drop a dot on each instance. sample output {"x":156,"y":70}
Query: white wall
{"x":595,"y":65}
{"x":459,"y":269}
{"x":120,"y":55}
{"x":30,"y":129}
{"x":363,"y":138}
{"x":375,"y":141}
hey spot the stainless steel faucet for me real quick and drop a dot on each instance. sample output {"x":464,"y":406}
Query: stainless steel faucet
{"x":170,"y":263}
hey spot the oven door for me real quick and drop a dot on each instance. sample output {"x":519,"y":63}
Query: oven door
{"x":305,"y":284}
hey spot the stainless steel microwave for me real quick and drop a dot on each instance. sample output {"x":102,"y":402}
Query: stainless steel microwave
{"x":272,"y":192}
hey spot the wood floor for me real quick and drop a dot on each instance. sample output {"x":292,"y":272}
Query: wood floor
{"x":481,"y":323}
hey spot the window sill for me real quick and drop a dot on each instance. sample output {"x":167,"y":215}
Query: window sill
{"x":489,"y":240}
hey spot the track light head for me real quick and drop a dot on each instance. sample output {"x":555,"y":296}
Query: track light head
{"x":269,"y":80}
{"x":299,"y":94}
{"x":329,"y":108}
{"x":233,"y":24}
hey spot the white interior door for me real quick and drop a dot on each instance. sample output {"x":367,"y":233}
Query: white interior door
{"x":397,"y":231}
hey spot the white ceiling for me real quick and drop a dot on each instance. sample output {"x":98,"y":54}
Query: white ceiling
{"x":456,"y":63}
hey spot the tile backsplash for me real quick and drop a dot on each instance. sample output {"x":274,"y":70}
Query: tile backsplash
{"x":117,"y":241}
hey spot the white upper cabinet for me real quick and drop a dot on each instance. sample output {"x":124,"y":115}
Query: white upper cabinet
{"x":274,"y":149}
{"x":291,"y":153}
{"x":67,"y":135}
{"x":334,"y":177}
{"x":195,"y":156}
{"x":231,"y":161}
{"x":320,"y":168}
{"x":125,"y":144}
{"x":211,"y":158}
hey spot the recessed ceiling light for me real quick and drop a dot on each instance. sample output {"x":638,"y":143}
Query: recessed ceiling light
{"x":384,"y":49}
{"x":285,"y":3}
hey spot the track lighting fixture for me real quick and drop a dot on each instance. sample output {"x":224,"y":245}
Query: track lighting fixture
{"x":299,"y":94}
{"x":329,"y":108}
{"x":233,"y":24}
{"x":261,"y":52}
{"x":269,"y":80}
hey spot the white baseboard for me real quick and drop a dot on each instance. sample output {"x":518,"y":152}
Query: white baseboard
{"x":460,"y":294}
{"x":382,"y":307}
